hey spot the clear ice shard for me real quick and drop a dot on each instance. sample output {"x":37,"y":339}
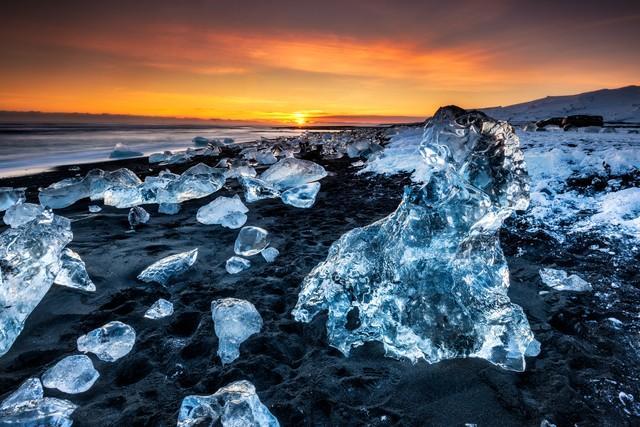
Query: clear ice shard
{"x":159,"y":309}
{"x":169,"y":208}
{"x":21,"y":213}
{"x":270,"y":254}
{"x":302,"y":196}
{"x":27,"y":407}
{"x":121,"y":151}
{"x":250,"y":241}
{"x":194,"y":183}
{"x":94,"y":208}
{"x":29,"y":262}
{"x":137,"y":215}
{"x":10,"y":196}
{"x":64,"y":193}
{"x":72,"y":375}
{"x":99,"y":181}
{"x":235,"y":264}
{"x":163,"y":270}
{"x":234,"y":321}
{"x":229,"y":212}
{"x":560,"y":280}
{"x":430,"y":280}
{"x":234,"y":405}
{"x":256,"y":189}
{"x":292,"y":172}
{"x":73,"y":272}
{"x":109,"y":342}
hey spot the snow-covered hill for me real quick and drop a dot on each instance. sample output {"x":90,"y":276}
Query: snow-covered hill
{"x":614,"y":105}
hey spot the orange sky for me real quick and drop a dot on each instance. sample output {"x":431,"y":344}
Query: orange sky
{"x":295,"y":62}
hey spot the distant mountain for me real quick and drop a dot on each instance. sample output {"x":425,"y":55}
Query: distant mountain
{"x":615,"y":105}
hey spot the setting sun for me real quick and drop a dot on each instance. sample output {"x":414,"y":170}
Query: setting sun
{"x":299,"y":118}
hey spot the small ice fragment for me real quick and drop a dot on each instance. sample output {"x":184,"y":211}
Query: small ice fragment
{"x":10,"y":196}
{"x":533,"y":349}
{"x":256,"y":189}
{"x":226,"y":211}
{"x":73,"y":272}
{"x":234,"y":405}
{"x":235,"y":264}
{"x":109,"y":342}
{"x":227,"y":141}
{"x":250,"y":241}
{"x":560,"y":280}
{"x":161,"y":271}
{"x":137,"y":216}
{"x":270,"y":254}
{"x":200,"y":141}
{"x":21,"y":213}
{"x":73,"y":374}
{"x":169,"y":208}
{"x":545,"y":423}
{"x":266,"y":158}
{"x":159,"y":309}
{"x":28,"y":407}
{"x":303,"y":196}
{"x":292,"y":172}
{"x":234,"y":320}
{"x":94,"y":208}
{"x":121,"y":151}
{"x":31,"y":389}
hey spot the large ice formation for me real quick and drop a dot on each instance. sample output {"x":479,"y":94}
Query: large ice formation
{"x":159,"y":309}
{"x":560,"y":280}
{"x":29,"y":262}
{"x":430,"y":280}
{"x":10,"y":196}
{"x":21,"y":213}
{"x":73,"y":374}
{"x":109,"y":342}
{"x":28,"y":407}
{"x":234,"y":321}
{"x":229,"y":212}
{"x":73,"y":272}
{"x":233,"y":405}
{"x":163,"y":270}
{"x":291,"y":172}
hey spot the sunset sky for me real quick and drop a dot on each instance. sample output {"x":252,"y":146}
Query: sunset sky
{"x":308,"y":61}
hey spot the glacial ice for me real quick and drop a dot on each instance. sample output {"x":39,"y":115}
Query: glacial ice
{"x":200,"y":141}
{"x":266,"y":158}
{"x":94,"y":208}
{"x":159,"y":309}
{"x":236,"y":264}
{"x":229,"y":212}
{"x":21,"y":213}
{"x":560,"y":280}
{"x":99,"y":181}
{"x":27,"y":407}
{"x":166,"y":268}
{"x":10,"y":196}
{"x":109,"y":342}
{"x":270,"y":254}
{"x":256,"y":189}
{"x":169,"y":208}
{"x":29,"y":262}
{"x":137,"y":215}
{"x":234,"y":321}
{"x":303,"y":196}
{"x":292,"y":172}
{"x":64,"y":193}
{"x":250,"y":241}
{"x":73,"y":272}
{"x":72,"y":375}
{"x":239,"y":169}
{"x":234,"y":405}
{"x":121,"y":151}
{"x":430,"y":280}
{"x":196,"y":182}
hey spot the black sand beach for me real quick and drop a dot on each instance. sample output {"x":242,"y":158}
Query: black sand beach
{"x":297,"y":375}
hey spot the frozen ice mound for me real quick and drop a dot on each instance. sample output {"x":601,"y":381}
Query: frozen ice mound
{"x":73,"y":272}
{"x":162,"y":271}
{"x":122,"y":151}
{"x":234,"y":321}
{"x":72,"y":375}
{"x":159,"y":309}
{"x":430,"y":280}
{"x":236,"y":264}
{"x":29,"y":262}
{"x":560,"y":280}
{"x":303,"y":196}
{"x":10,"y":196}
{"x":292,"y":172}
{"x":21,"y":213}
{"x":28,"y":407}
{"x":250,"y":241}
{"x":229,"y":212}
{"x":109,"y":342}
{"x":233,"y":405}
{"x":137,"y":215}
